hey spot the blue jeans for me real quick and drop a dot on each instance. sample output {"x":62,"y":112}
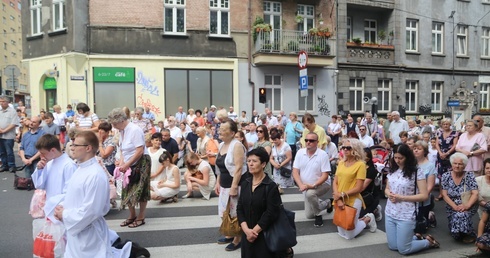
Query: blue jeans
{"x":401,"y":237}
{"x":7,"y":153}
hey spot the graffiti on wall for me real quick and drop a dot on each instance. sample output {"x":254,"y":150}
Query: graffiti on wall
{"x":323,"y":106}
{"x":147,"y":103}
{"x":147,"y":83}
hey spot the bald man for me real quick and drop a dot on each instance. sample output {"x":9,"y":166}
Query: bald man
{"x":27,"y":151}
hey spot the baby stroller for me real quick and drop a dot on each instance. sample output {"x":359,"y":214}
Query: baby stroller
{"x":381,"y":157}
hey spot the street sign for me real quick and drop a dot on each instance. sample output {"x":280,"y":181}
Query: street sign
{"x":303,"y":79}
{"x":453,"y":103}
{"x":11,"y":71}
{"x":302,"y":59}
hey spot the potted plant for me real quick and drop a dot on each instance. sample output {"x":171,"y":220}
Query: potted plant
{"x":293,"y":46}
{"x":357,"y":41}
{"x":381,"y":36}
{"x":299,"y":18}
{"x":313,"y":31}
{"x":320,"y":21}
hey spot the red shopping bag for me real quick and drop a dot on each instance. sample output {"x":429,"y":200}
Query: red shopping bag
{"x":49,"y":240}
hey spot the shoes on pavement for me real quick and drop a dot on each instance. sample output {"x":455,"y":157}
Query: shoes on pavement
{"x":12,"y":170}
{"x":318,"y":221}
{"x":233,"y":247}
{"x":3,"y":169}
{"x":188,"y":196}
{"x":225,"y":240}
{"x":372,"y":223}
{"x":330,"y":206}
{"x":379,"y":213}
{"x":468,"y":239}
{"x":138,"y":251}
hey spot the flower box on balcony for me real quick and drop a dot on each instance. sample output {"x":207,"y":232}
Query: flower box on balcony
{"x":484,"y":111}
{"x":370,"y":45}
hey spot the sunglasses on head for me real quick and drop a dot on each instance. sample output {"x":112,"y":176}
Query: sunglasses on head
{"x":346,"y":147}
{"x":310,"y":140}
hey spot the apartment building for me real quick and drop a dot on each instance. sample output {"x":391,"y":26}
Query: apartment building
{"x":413,"y":56}
{"x":11,"y":53}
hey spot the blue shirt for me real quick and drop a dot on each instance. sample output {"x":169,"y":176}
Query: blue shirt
{"x":28,"y":144}
{"x":149,"y":116}
{"x":70,"y":113}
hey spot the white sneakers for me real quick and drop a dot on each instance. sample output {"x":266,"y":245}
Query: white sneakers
{"x":379,"y":213}
{"x":372,"y":223}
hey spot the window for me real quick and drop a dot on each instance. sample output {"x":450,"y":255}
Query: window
{"x":349,"y":28}
{"x":35,"y":16}
{"x":485,"y":96}
{"x":174,"y":16}
{"x":485,"y":42}
{"x":12,"y":18}
{"x":384,"y":95}
{"x":437,"y":37}
{"x":411,"y":89}
{"x":370,"y":30}
{"x":272,"y":14}
{"x":197,"y":88}
{"x":412,"y":35}
{"x":58,"y":15}
{"x":356,"y":94}
{"x":273,"y":87}
{"x":310,"y":100}
{"x":219,"y":17}
{"x":436,"y":96}
{"x":462,"y":40}
{"x":5,"y":46}
{"x":5,"y":59}
{"x":307,"y":12}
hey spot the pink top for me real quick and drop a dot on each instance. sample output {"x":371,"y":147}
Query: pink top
{"x":475,"y":162}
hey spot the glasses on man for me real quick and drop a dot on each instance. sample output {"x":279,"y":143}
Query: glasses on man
{"x":310,"y":140}
{"x":78,"y":145}
{"x":346,"y":147}
{"x":362,"y":129}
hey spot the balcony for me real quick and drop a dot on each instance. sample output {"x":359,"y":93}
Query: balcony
{"x":386,"y":4}
{"x":281,"y":47}
{"x":370,"y":54}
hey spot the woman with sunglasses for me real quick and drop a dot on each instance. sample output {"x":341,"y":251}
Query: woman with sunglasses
{"x":347,"y":186}
{"x":264,"y":142}
{"x":406,"y":186}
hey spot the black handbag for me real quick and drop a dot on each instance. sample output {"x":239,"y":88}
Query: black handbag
{"x":281,"y":234}
{"x":23,"y":183}
{"x":285,"y":172}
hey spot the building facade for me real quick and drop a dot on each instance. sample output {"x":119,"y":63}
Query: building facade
{"x":412,"y":55}
{"x":165,"y":54}
{"x":13,"y":75}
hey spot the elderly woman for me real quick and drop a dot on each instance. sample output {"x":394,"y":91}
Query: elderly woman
{"x":133,"y":160}
{"x":86,"y":120}
{"x":348,"y":184}
{"x":281,"y":157}
{"x":143,"y":123}
{"x":473,"y":144}
{"x":406,"y":186}
{"x":230,"y":166}
{"x":484,"y":187}
{"x":204,"y":184}
{"x":191,"y":116}
{"x":168,"y":185}
{"x":483,"y":240}
{"x":293,"y":132}
{"x":107,"y":146}
{"x":199,"y":118}
{"x":258,"y":207}
{"x":460,"y":213}
{"x":413,"y":128}
{"x":446,"y":142}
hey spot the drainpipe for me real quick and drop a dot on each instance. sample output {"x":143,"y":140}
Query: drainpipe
{"x":250,"y":53}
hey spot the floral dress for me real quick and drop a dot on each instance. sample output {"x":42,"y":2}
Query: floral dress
{"x":279,"y":154}
{"x":459,"y":222}
{"x":445,"y":145}
{"x":485,"y":237}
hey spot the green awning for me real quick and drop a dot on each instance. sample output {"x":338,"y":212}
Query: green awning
{"x":49,"y":83}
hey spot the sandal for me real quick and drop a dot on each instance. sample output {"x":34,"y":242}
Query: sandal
{"x":127,"y":222}
{"x":419,"y":236}
{"x":137,"y":223}
{"x":432,"y":242}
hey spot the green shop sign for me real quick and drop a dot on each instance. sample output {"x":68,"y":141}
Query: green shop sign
{"x":113,"y":74}
{"x":49,"y":83}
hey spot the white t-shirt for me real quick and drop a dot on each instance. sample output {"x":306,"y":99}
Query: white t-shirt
{"x":59,"y":119}
{"x":131,"y":138}
{"x":311,"y":168}
{"x":175,"y":133}
{"x":402,"y":186}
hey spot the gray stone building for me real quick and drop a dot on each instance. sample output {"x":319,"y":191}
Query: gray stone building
{"x":412,"y":55}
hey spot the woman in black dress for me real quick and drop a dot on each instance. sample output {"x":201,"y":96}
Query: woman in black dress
{"x":258,"y":207}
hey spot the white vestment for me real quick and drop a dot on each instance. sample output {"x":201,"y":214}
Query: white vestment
{"x":85,"y":204}
{"x":53,"y":178}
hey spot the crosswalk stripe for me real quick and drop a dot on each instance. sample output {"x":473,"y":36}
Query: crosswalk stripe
{"x":306,"y":244}
{"x":190,"y":222}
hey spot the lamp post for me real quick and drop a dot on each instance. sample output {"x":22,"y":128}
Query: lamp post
{"x":453,"y":82}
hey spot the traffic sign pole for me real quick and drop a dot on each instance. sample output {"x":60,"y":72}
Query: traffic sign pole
{"x":303,"y":75}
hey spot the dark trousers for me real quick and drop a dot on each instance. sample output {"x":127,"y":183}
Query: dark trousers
{"x":7,"y":153}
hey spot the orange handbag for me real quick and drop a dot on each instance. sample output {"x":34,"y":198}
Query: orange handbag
{"x":345,"y":218}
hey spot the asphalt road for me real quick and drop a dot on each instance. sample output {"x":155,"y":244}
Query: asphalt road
{"x":189,"y":228}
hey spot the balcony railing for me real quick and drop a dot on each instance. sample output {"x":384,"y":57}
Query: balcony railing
{"x":291,"y":42}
